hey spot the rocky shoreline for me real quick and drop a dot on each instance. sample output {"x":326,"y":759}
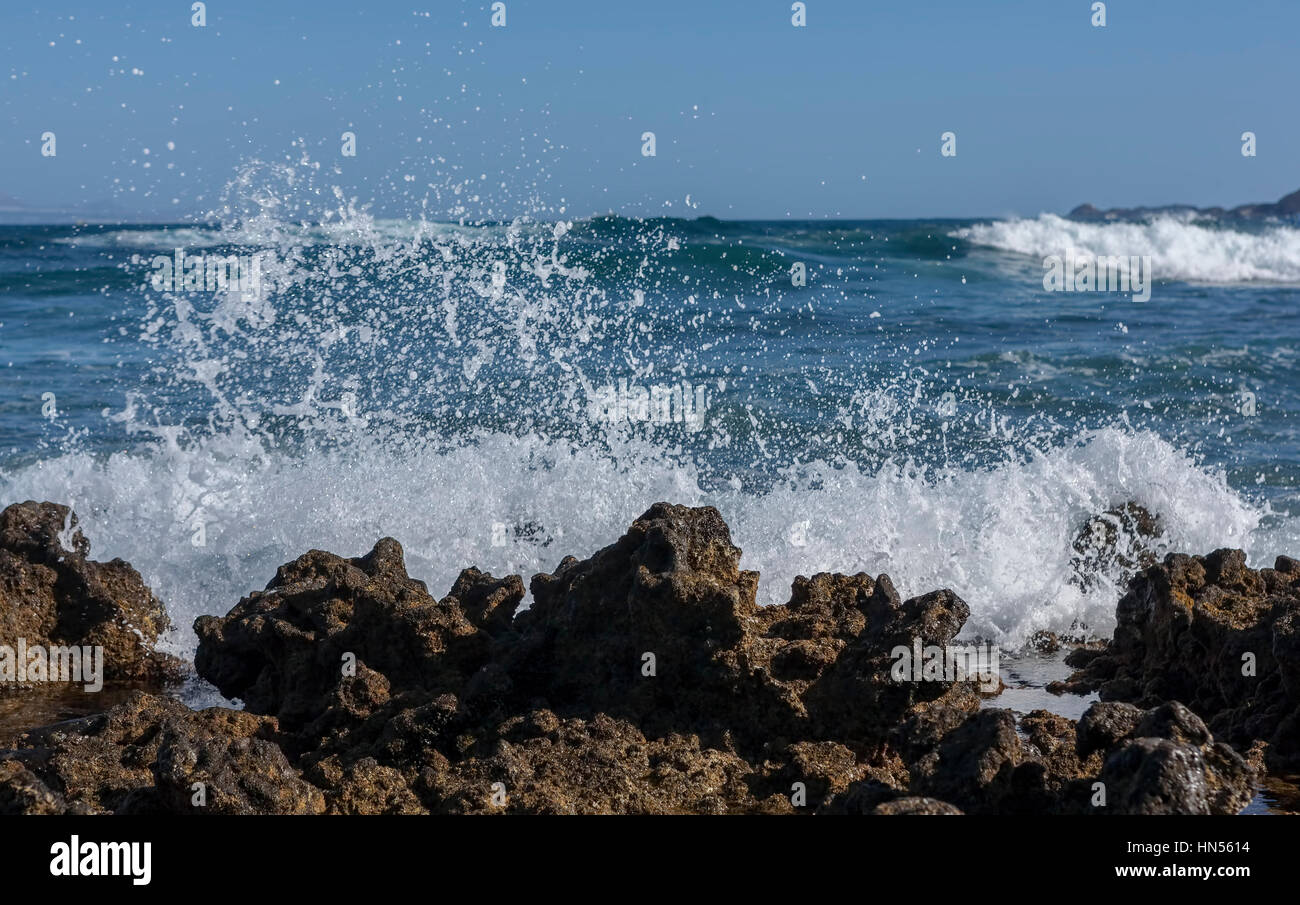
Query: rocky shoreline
{"x":643,"y":679}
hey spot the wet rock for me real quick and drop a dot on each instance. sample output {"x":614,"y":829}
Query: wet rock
{"x":53,"y":595}
{"x":209,"y":774}
{"x":540,"y":764}
{"x":1158,"y":776}
{"x":22,"y":792}
{"x":285,"y":650}
{"x":365,"y":695}
{"x":972,"y":766}
{"x":1175,"y":722}
{"x":107,"y":763}
{"x":1163,"y":761}
{"x":658,"y":632}
{"x":743,"y":700}
{"x":1053,"y":741}
{"x":1118,"y":542}
{"x":926,"y":806}
{"x":1054,"y":775}
{"x":1220,"y":637}
{"x":1082,"y":656}
{"x":1105,"y":724}
{"x":648,"y":628}
{"x":365,"y":787}
{"x":1044,"y":642}
{"x":822,"y":770}
{"x":352,"y":700}
{"x":860,"y":695}
{"x":487,"y":602}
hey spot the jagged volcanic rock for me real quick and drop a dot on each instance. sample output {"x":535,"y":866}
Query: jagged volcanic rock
{"x":365,"y":695}
{"x":52,"y":594}
{"x":1216,"y":635}
{"x":144,"y":756}
{"x":284,"y":650}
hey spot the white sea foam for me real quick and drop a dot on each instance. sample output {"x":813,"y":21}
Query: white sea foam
{"x":1000,"y":537}
{"x":1180,"y":249}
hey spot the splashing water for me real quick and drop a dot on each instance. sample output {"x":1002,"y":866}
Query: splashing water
{"x":475,"y":390}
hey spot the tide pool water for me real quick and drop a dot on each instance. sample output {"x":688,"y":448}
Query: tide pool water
{"x":882,"y":396}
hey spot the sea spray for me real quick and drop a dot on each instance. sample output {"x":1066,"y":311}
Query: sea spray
{"x":433,"y":382}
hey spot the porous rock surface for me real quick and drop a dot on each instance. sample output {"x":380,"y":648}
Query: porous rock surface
{"x":643,"y":679}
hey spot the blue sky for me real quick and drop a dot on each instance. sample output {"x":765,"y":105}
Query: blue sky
{"x":753,"y":118}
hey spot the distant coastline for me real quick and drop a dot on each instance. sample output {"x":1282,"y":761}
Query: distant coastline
{"x":1286,"y":207}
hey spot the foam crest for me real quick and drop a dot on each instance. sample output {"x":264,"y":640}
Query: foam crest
{"x":1179,"y":248}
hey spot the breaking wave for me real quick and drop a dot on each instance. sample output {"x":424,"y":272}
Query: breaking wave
{"x":1179,"y":248}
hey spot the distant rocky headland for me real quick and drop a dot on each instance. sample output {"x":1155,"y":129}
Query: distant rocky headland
{"x":1287,"y":207}
{"x":642,"y":679}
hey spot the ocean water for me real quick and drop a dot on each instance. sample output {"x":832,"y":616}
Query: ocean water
{"x":921,"y":406}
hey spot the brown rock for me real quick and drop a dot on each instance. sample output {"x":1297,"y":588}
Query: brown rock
{"x":196,"y":773}
{"x":368,"y":696}
{"x":106,"y":763}
{"x":915,"y":805}
{"x":53,"y":595}
{"x":22,"y":792}
{"x":285,"y":650}
{"x":1217,"y":635}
